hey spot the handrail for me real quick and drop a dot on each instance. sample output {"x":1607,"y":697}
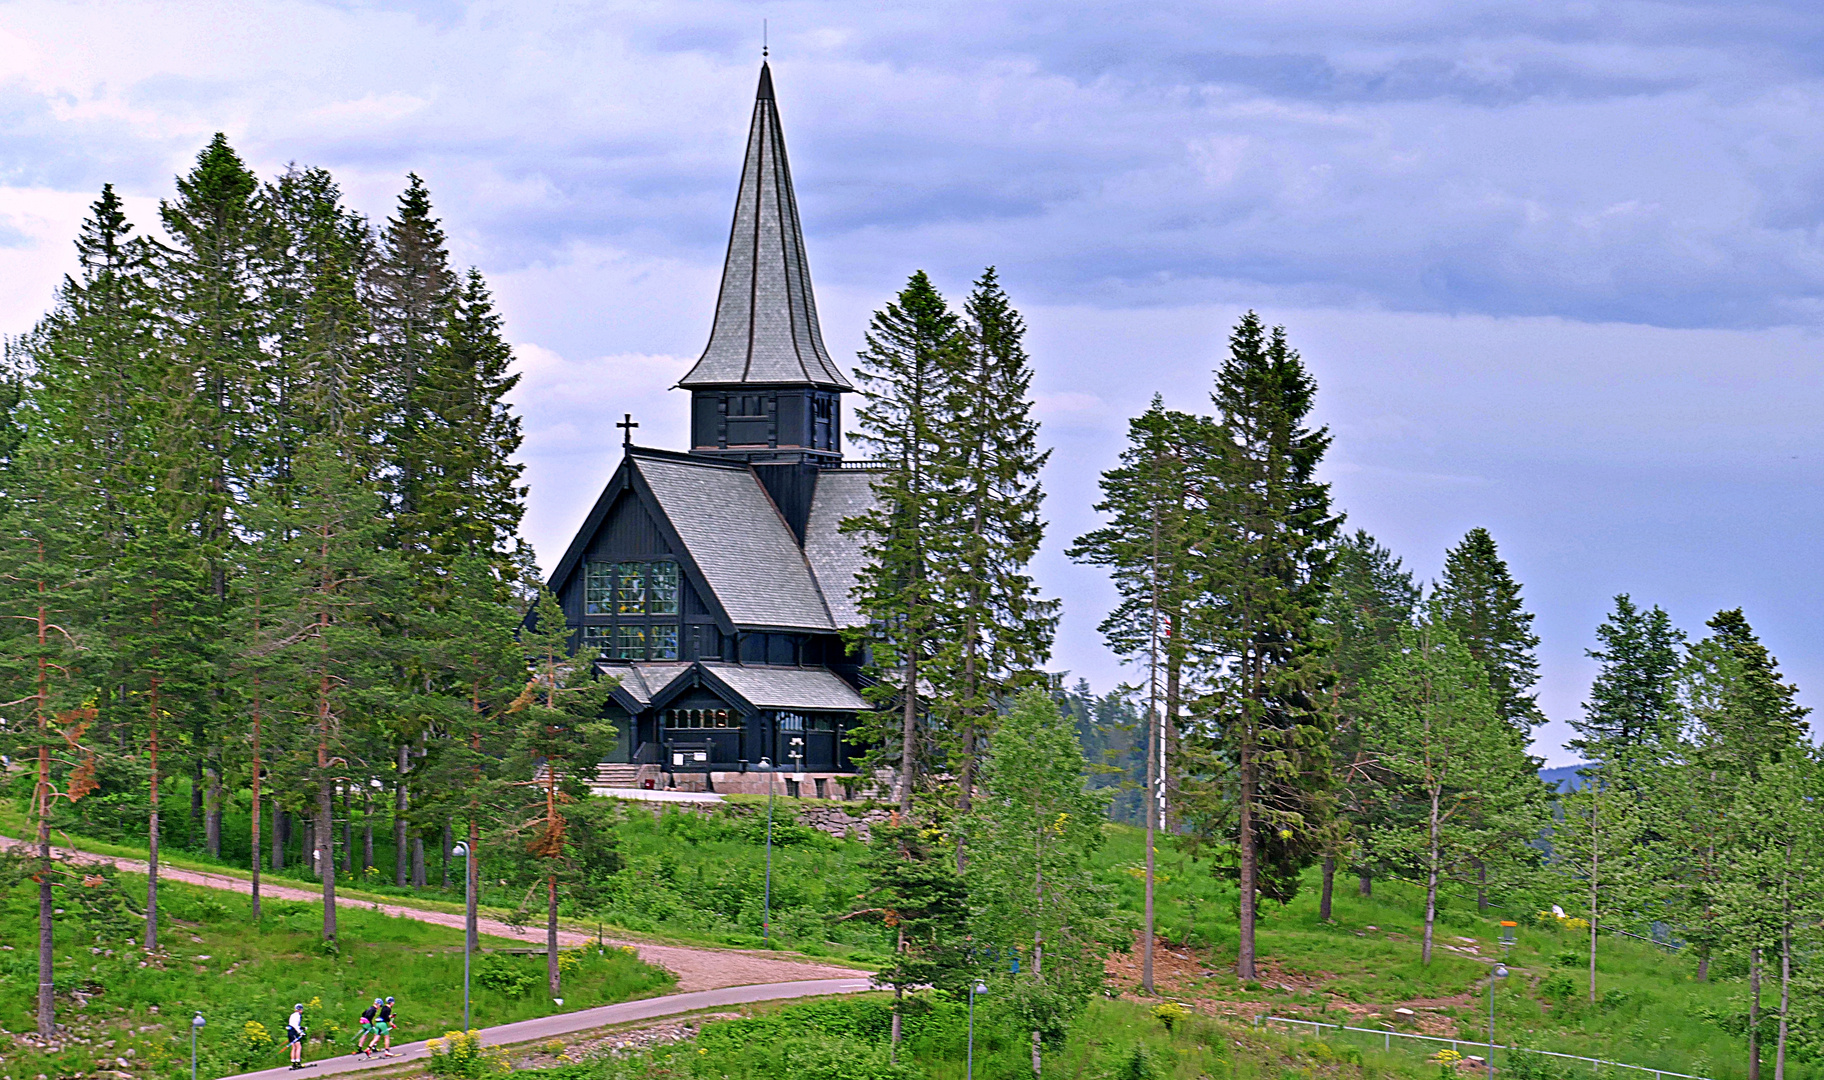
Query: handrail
{"x":1389,"y":1036}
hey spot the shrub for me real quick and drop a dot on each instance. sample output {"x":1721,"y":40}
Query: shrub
{"x":1137,"y":1064}
{"x":459,"y":1055}
{"x":1558,"y":986}
{"x":1169,"y":1013}
{"x":498,"y":973}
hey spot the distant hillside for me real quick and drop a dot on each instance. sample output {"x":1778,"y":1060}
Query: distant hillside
{"x":1563,"y":777}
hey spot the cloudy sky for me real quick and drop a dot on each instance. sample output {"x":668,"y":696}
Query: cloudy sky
{"x":1556,"y":265}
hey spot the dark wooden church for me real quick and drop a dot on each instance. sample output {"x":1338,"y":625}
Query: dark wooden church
{"x":715,"y":582}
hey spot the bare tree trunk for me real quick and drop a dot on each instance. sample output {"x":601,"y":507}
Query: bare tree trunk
{"x":1431,"y":879}
{"x":212,"y":810}
{"x":1703,"y":965}
{"x":1779,"y":1053}
{"x":281,"y":829}
{"x":1364,"y":883}
{"x":908,"y":736}
{"x":326,"y":844}
{"x":1244,"y":952}
{"x":152,"y":821}
{"x":348,"y":832}
{"x":1329,"y":888}
{"x":253,"y":847}
{"x":367,"y":828}
{"x":1481,"y":887}
{"x":551,"y":973}
{"x":41,"y":804}
{"x":418,"y":878}
{"x":444,"y":872}
{"x":400,"y":856}
{"x":1754,"y":1014}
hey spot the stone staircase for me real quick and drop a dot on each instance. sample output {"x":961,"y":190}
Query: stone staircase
{"x":616,"y":776}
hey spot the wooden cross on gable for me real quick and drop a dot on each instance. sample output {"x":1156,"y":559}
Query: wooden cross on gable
{"x":627,"y":425}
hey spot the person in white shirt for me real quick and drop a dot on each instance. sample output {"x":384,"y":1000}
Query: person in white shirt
{"x":294,"y":1035}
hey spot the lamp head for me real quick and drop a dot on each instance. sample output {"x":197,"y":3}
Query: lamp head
{"x":1500,"y":971}
{"x":197,"y":1021}
{"x":460,"y":851}
{"x":981,"y":988}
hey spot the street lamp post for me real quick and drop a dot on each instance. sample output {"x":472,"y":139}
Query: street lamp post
{"x":1499,"y":973}
{"x":766,"y":913}
{"x":976,"y":988}
{"x":196,"y":1023}
{"x":461,"y":851}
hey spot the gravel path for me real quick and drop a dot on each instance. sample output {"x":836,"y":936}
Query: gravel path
{"x":696,"y":969}
{"x":546,"y":1027}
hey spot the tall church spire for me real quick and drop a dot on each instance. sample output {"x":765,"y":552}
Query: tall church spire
{"x":766,"y":331}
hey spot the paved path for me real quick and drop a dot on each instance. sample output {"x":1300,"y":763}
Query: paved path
{"x":546,"y":1027}
{"x":696,"y":969}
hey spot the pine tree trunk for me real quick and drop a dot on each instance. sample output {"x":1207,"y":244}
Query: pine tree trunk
{"x":444,"y":881}
{"x":152,"y":823}
{"x":348,"y":832}
{"x":281,"y":834}
{"x":212,"y":811}
{"x":1431,"y":877}
{"x":400,"y":856}
{"x":196,"y":802}
{"x":551,"y":974}
{"x":1364,"y":884}
{"x":1151,"y":809}
{"x":1481,"y":887}
{"x":253,"y":846}
{"x":367,"y":829}
{"x":326,"y":846}
{"x":1244,"y":837}
{"x":908,"y":736}
{"x":307,"y":841}
{"x":41,"y":804}
{"x":418,"y":879}
{"x":1779,"y":1052}
{"x":1329,"y":887}
{"x":471,"y":867}
{"x":1703,"y":965}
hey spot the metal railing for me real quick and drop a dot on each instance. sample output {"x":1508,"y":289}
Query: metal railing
{"x":1458,"y":1044}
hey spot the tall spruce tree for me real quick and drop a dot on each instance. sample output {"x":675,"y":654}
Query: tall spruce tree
{"x":1267,"y":713}
{"x":905,"y":378}
{"x":917,"y":892}
{"x":1003,"y":627}
{"x":1480,"y":601}
{"x":1154,"y":546}
{"x":1633,"y":697}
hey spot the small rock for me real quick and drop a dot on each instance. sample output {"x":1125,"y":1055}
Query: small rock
{"x":1287,"y":989}
{"x":1371,"y":928}
{"x":1404,"y":1012}
{"x":196,"y":939}
{"x":204,"y":956}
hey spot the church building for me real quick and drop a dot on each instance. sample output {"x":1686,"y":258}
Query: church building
{"x":715,"y":582}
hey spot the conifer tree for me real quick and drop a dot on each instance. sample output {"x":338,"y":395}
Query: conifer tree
{"x":1032,"y":837}
{"x":206,"y":278}
{"x":924,"y":900}
{"x":991,"y":478}
{"x":558,"y":730}
{"x":905,"y":378}
{"x":1633,"y":698}
{"x":1269,"y":565}
{"x":1480,"y":600}
{"x":1154,"y":547}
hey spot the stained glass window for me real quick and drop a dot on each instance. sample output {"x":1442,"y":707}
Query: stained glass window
{"x":596,"y":637}
{"x":664,"y":641}
{"x":662,"y":588}
{"x":598,"y":588}
{"x":630,"y":588}
{"x":630,"y":642}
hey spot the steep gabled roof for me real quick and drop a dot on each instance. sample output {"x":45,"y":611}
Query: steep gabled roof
{"x":837,"y":557}
{"x":766,"y":328}
{"x":735,"y":536}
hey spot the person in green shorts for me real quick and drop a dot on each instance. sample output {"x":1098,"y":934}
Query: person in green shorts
{"x":383,"y":1027}
{"x":368,"y":1034}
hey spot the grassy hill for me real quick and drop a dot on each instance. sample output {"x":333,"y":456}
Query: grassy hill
{"x":691,"y":877}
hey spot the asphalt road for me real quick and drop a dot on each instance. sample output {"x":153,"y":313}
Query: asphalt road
{"x":546,"y":1027}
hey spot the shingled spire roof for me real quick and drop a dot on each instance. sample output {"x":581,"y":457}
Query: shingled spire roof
{"x":766,"y":328}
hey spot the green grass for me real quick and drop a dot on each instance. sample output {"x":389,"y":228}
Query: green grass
{"x":218,"y":962}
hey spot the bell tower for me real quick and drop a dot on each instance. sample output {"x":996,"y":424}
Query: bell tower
{"x":765,"y":390}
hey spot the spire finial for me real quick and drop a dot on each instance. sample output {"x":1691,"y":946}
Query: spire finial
{"x":763,"y":46}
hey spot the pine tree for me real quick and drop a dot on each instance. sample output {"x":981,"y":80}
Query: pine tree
{"x":1633,"y":697}
{"x":905,"y":378}
{"x":1371,"y":600}
{"x":1032,"y":837}
{"x":1480,"y":601}
{"x":1154,"y":547}
{"x":991,"y":480}
{"x":1269,"y":565}
{"x":558,"y":733}
{"x":924,"y":901}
